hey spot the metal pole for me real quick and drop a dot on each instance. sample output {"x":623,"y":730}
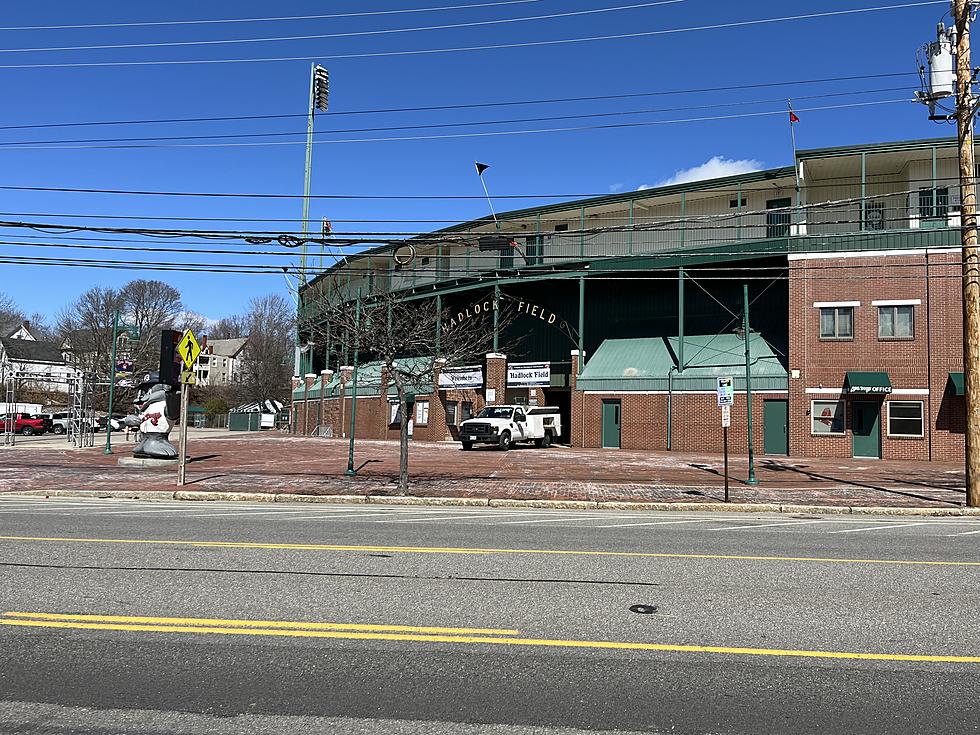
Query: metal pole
{"x":680,"y":320}
{"x":725,"y":440}
{"x":581,"y":324}
{"x":439,"y":323}
{"x":351,"y":472}
{"x":112,"y":382}
{"x":971,"y":253}
{"x":496,"y":318}
{"x":748,"y":380}
{"x":182,"y":447}
{"x":306,"y":179}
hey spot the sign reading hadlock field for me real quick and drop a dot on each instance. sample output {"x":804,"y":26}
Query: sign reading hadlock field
{"x":529,"y":375}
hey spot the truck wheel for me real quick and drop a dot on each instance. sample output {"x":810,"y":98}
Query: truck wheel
{"x":27,"y":431}
{"x":504,"y":441}
{"x":467,"y":446}
{"x":58,"y":429}
{"x":545,"y":441}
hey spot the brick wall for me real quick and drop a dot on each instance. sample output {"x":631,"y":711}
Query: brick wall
{"x":918,"y":368}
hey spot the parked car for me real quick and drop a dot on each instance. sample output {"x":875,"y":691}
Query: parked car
{"x":59,"y":421}
{"x":25,"y":423}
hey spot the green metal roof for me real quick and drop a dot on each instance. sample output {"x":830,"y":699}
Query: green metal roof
{"x":862,"y":382}
{"x":957,"y":381}
{"x":651,"y":363}
{"x":883,"y":147}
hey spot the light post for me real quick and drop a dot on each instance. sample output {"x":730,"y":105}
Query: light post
{"x":748,"y":380}
{"x":319,"y":93}
{"x":351,"y":472}
{"x":112,"y":382}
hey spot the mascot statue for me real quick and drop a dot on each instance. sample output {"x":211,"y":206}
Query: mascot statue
{"x":157,"y":407}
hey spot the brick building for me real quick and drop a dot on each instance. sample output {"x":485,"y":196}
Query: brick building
{"x":845,"y":268}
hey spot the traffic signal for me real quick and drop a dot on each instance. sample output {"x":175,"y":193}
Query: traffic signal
{"x":321,"y":88}
{"x":170,"y":361}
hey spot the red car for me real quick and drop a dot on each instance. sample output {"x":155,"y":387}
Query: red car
{"x":25,"y":424}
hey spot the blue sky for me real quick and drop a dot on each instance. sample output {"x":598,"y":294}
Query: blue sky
{"x":581,"y":162}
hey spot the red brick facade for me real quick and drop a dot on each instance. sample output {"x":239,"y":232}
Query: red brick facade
{"x":918,"y":368}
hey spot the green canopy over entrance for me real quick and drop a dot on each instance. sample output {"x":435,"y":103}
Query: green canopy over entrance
{"x":867,"y":383}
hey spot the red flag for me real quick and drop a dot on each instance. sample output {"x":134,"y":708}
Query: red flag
{"x":792,"y":117}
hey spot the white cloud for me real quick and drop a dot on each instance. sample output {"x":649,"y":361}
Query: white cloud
{"x":644,"y":187}
{"x":617,"y":187}
{"x":713,"y":168}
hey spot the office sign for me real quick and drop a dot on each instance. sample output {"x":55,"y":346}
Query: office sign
{"x":470,"y":376}
{"x":529,"y":375}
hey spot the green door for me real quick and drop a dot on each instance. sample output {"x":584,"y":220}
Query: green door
{"x":777,"y":223}
{"x":610,"y":424}
{"x":775,"y":425}
{"x":866,"y":429}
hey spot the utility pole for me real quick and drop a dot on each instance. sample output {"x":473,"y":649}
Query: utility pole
{"x":971,"y":255}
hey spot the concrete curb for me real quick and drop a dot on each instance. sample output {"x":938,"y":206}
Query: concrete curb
{"x":195,"y":495}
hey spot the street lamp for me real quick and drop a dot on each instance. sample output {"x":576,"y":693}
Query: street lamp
{"x":319,"y":95}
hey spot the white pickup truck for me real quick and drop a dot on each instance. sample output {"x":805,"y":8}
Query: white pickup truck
{"x":504,"y":425}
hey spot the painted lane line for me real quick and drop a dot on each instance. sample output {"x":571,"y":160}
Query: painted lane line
{"x":477,"y":640}
{"x":542,"y":520}
{"x":765,"y":525}
{"x":964,"y":533}
{"x":271,"y":624}
{"x":656,"y":523}
{"x":477,"y":551}
{"x":886,"y":527}
{"x":445,"y":518}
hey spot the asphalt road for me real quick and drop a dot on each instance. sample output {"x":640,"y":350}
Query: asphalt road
{"x":129,"y":617}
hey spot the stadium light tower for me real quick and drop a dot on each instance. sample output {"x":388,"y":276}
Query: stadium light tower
{"x":319,"y":95}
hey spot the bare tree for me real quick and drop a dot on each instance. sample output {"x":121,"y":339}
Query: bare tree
{"x":229,"y":327}
{"x":10,"y":315}
{"x":266,"y":361}
{"x":411,"y":342}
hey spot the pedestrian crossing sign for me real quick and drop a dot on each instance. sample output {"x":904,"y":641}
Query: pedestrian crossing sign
{"x":188,"y":348}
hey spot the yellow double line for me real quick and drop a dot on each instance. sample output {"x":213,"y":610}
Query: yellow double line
{"x":426,"y":634}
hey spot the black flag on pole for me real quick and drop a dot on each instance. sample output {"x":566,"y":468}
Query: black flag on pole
{"x":481,"y":167}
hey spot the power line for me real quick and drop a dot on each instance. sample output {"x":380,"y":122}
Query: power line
{"x":143,"y":24}
{"x":454,"y":136}
{"x":471,"y":123}
{"x":429,"y":126}
{"x":347,"y":34}
{"x":484,"y":47}
{"x":472,"y":105}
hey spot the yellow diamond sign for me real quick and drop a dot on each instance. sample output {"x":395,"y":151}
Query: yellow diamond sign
{"x":188,"y":348}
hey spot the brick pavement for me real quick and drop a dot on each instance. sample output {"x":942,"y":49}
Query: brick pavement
{"x":276,"y":463}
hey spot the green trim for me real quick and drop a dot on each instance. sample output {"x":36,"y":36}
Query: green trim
{"x":958,"y":382}
{"x":886,"y":147}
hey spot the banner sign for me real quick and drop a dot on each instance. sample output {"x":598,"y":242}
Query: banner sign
{"x":470,"y":376}
{"x":529,"y":375}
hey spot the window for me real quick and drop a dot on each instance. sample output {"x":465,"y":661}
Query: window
{"x":519,"y":416}
{"x":837,"y":322}
{"x":896,"y":322}
{"x":561,"y":228}
{"x":451,"y":413}
{"x":934,"y":203}
{"x":777,"y":222}
{"x":905,"y":418}
{"x":507,"y":258}
{"x":827,"y":418}
{"x":465,"y":411}
{"x":874,"y":215}
{"x":733,"y":203}
{"x":421,"y":413}
{"x":395,"y":416}
{"x":424,"y":262}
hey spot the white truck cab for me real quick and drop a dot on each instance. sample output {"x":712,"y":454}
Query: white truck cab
{"x":504,"y":425}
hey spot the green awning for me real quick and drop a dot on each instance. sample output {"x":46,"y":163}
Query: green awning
{"x":956,"y":380}
{"x":864,"y":383}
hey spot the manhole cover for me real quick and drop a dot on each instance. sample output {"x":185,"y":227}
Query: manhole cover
{"x":643,"y":609}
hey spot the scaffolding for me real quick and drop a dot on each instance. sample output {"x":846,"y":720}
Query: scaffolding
{"x":81,"y":415}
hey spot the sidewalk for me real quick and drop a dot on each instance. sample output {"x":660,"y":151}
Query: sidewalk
{"x":276,"y":463}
